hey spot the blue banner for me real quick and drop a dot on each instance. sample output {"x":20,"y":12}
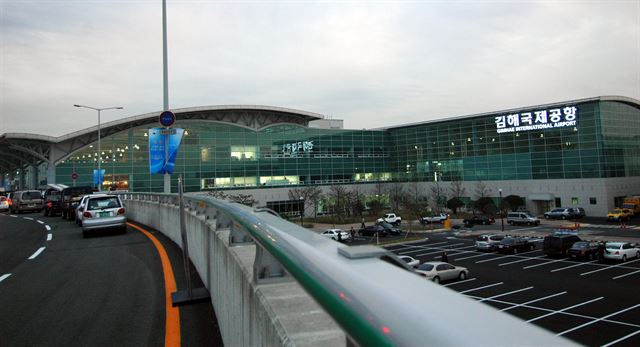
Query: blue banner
{"x":98,"y":180}
{"x":158,"y":162}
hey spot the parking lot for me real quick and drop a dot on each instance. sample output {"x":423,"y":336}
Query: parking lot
{"x":593,"y":303}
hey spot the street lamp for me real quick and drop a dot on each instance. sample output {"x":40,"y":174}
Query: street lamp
{"x":99,"y":150}
{"x":501,"y":211}
{"x":302,"y":212}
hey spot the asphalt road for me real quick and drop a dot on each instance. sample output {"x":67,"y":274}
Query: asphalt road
{"x":592,"y":303}
{"x":57,"y":288}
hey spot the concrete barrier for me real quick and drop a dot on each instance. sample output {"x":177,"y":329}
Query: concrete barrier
{"x":249,"y":314}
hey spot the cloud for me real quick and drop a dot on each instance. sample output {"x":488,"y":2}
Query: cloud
{"x":371,"y":63}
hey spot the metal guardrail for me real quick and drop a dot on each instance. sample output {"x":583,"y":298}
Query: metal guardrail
{"x":371,"y":294}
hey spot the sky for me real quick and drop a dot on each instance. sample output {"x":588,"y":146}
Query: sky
{"x":372,"y":64}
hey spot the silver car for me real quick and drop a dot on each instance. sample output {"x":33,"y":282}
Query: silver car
{"x":440,"y":271}
{"x":103,"y":212}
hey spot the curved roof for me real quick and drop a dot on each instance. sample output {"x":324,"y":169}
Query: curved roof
{"x":17,"y":150}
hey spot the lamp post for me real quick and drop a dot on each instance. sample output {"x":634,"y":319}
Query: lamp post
{"x":99,"y":149}
{"x":302,"y":212}
{"x":501,"y":211}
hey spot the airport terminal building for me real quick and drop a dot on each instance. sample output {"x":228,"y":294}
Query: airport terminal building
{"x":575,"y":153}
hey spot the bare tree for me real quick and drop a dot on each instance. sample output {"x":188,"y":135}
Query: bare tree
{"x":338,"y":196}
{"x":396,"y":195}
{"x":245,"y":199}
{"x":438,"y":198}
{"x":310,"y":194}
{"x":481,"y":190}
{"x":457,"y":189}
{"x":356,"y":201}
{"x":414,"y":202}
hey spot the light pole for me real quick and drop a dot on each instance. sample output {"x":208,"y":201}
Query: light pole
{"x":302,"y":212}
{"x":99,"y":149}
{"x":501,"y":211}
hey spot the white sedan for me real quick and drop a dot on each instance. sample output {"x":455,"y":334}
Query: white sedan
{"x":337,"y":234}
{"x":621,"y":251}
{"x":440,"y":271}
{"x":413,"y":262}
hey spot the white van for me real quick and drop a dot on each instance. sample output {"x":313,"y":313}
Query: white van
{"x":516,"y":218}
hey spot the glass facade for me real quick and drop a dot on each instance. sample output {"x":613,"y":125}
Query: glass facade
{"x":590,"y":139}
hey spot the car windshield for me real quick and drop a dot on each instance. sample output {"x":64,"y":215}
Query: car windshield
{"x":613,"y":245}
{"x":31,"y":195}
{"x":508,"y":241}
{"x":425,"y":267}
{"x":102,"y":203}
{"x":386,"y":225}
{"x":581,"y":245}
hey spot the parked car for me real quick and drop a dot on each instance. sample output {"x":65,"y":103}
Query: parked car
{"x":621,"y":251}
{"x":518,"y":218}
{"x":619,"y":215}
{"x":558,"y":244}
{"x":103,"y":212}
{"x":439,"y":218}
{"x":585,"y":250}
{"x":372,"y":230}
{"x":437,"y":271}
{"x":559,"y":213}
{"x":336,"y":234}
{"x":390,"y":229}
{"x":488,"y":242}
{"x":71,"y":197}
{"x":484,"y":220}
{"x":82,"y":206}
{"x":4,"y":203}
{"x":579,"y":212}
{"x":410,"y":260}
{"x":27,"y":200}
{"x":515,"y":245}
{"x":391,"y":218}
{"x":52,"y":202}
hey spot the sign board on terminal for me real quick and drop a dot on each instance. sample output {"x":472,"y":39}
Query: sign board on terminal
{"x":537,"y":120}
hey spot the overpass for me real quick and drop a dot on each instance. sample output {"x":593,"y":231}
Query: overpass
{"x":274,"y":283}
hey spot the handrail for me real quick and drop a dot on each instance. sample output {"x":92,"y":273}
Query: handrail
{"x":376,"y":302}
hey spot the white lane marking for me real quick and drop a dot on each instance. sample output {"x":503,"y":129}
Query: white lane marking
{"x":47,"y":227}
{"x":49,"y":237}
{"x":41,"y":222}
{"x":527,"y":229}
{"x":565,"y":309}
{"x":625,"y":275}
{"x":14,"y":216}
{"x":608,"y":267}
{"x":569,"y":267}
{"x":597,"y":320}
{"x":29,"y":218}
{"x":532,"y":301}
{"x":521,"y":260}
{"x":545,"y":263}
{"x":37,"y":253}
{"x":483,"y":287}
{"x":3,"y":277}
{"x":505,"y":256}
{"x":505,"y":294}
{"x":474,"y":256}
{"x":621,"y":339}
{"x":467,"y":280}
{"x":420,"y":248}
{"x":440,"y":249}
{"x":458,"y":249}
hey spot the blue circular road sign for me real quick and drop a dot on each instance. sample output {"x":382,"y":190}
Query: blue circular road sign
{"x":167,"y":118}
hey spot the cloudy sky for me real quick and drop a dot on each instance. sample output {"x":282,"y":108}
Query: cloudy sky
{"x":372,"y":64}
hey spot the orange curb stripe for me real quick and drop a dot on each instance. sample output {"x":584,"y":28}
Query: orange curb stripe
{"x":172,"y":324}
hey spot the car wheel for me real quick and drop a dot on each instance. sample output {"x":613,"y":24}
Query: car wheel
{"x":462,"y":275}
{"x":564,"y":217}
{"x":546,"y":217}
{"x":484,"y":223}
{"x":436,"y":279}
{"x":624,"y":258}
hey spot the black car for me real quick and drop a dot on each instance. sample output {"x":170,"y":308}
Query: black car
{"x":484,"y":220}
{"x":515,"y":245}
{"x":52,"y":202}
{"x":372,"y":230}
{"x":585,"y":250}
{"x":390,"y":229}
{"x":559,"y":244}
{"x":71,"y":198}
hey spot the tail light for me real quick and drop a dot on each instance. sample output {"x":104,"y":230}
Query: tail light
{"x":87,"y":214}
{"x":616,"y":253}
{"x":49,"y":204}
{"x":121,"y":211}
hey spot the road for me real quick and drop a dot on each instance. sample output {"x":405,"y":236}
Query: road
{"x":57,"y":288}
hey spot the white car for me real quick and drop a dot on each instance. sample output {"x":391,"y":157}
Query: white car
{"x":81,"y":207}
{"x":4,"y":203}
{"x":103,"y":212}
{"x":333,"y":234}
{"x":413,"y":262}
{"x":440,"y":271}
{"x":621,"y":251}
